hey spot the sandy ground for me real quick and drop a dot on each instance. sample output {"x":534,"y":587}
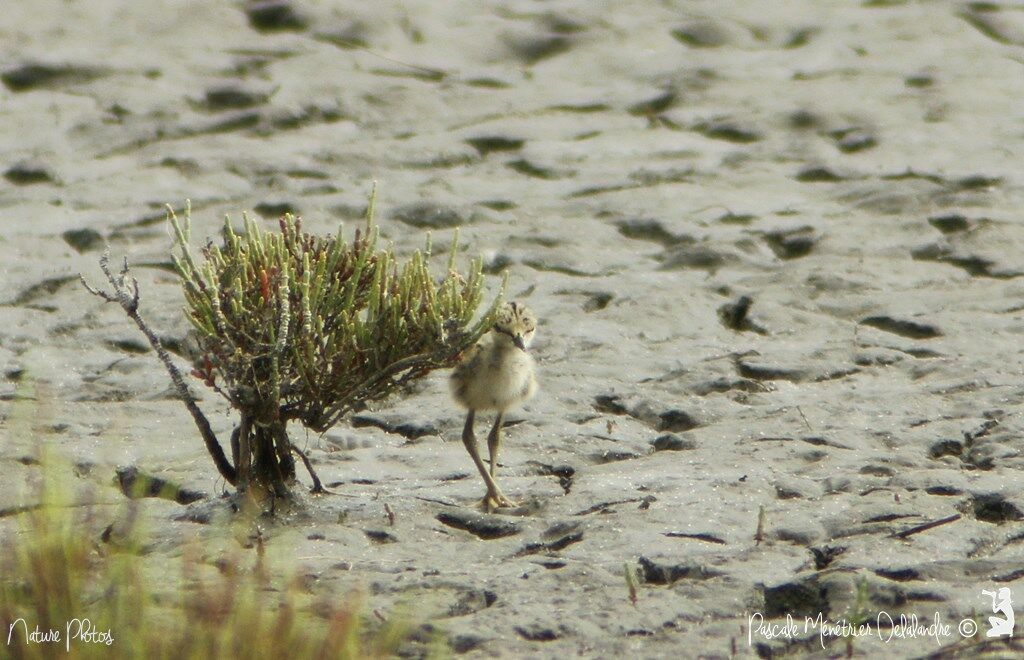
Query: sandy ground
{"x":852,"y":167}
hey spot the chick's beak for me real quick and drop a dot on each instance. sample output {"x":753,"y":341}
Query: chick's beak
{"x":518,"y":341}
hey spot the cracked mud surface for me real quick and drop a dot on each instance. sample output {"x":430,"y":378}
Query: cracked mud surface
{"x":851,"y":167}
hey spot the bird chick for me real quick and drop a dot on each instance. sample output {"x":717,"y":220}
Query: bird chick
{"x":496,"y":374}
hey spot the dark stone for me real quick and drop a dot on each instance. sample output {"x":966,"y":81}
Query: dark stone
{"x":83,"y":240}
{"x":919,"y":81}
{"x":597,"y":301}
{"x":465,"y":643}
{"x":33,"y":75}
{"x":644,"y":229}
{"x":232,"y":97}
{"x":730,"y":218}
{"x":274,"y":16}
{"x":974,"y":264}
{"x":429,"y":215}
{"x":786,"y":493}
{"x":976,"y":182}
{"x":803,"y":598}
{"x":946,"y":448}
{"x":484,"y":526}
{"x":928,"y":596}
{"x":803,"y":119}
{"x":727,"y":131}
{"x":499,"y":204}
{"x":534,"y":48}
{"x":488,"y":143}
{"x":676,"y":421}
{"x":274,"y":210}
{"x":528,"y":168}
{"x":654,"y":573}
{"x":817,"y":175}
{"x":945,"y":491}
{"x":610,"y":404}
{"x":910,"y":329}
{"x":27,"y":173}
{"x":380,"y":536}
{"x":700,"y":34}
{"x":792,"y":243}
{"x":536,"y":633}
{"x":799,"y":38}
{"x":699,"y":257}
{"x":950,"y":223}
{"x":551,"y":546}
{"x":672,"y":442}
{"x":1012,"y":576}
{"x":898,"y":574}
{"x":994,"y":508}
{"x":653,"y":106}
{"x":611,"y":456}
{"x":851,"y":140}
{"x":497,"y":264}
{"x":757,"y":371}
{"x":134,"y":346}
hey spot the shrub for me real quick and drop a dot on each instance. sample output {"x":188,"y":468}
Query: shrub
{"x":293,"y":326}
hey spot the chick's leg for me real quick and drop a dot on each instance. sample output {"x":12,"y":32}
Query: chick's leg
{"x":494,"y":498}
{"x":494,"y":443}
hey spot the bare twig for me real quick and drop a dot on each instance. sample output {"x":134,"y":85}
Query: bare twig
{"x":126,"y":294}
{"x":604,"y":505}
{"x":632,"y":584}
{"x":803,"y":417}
{"x":917,"y":529}
{"x":707,"y":538}
{"x":318,"y":488}
{"x":759,"y":534}
{"x":434,"y":501}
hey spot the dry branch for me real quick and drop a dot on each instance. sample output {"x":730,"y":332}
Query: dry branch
{"x":127,"y":296}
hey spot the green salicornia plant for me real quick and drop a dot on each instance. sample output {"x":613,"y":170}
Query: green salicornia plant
{"x":293,"y":326}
